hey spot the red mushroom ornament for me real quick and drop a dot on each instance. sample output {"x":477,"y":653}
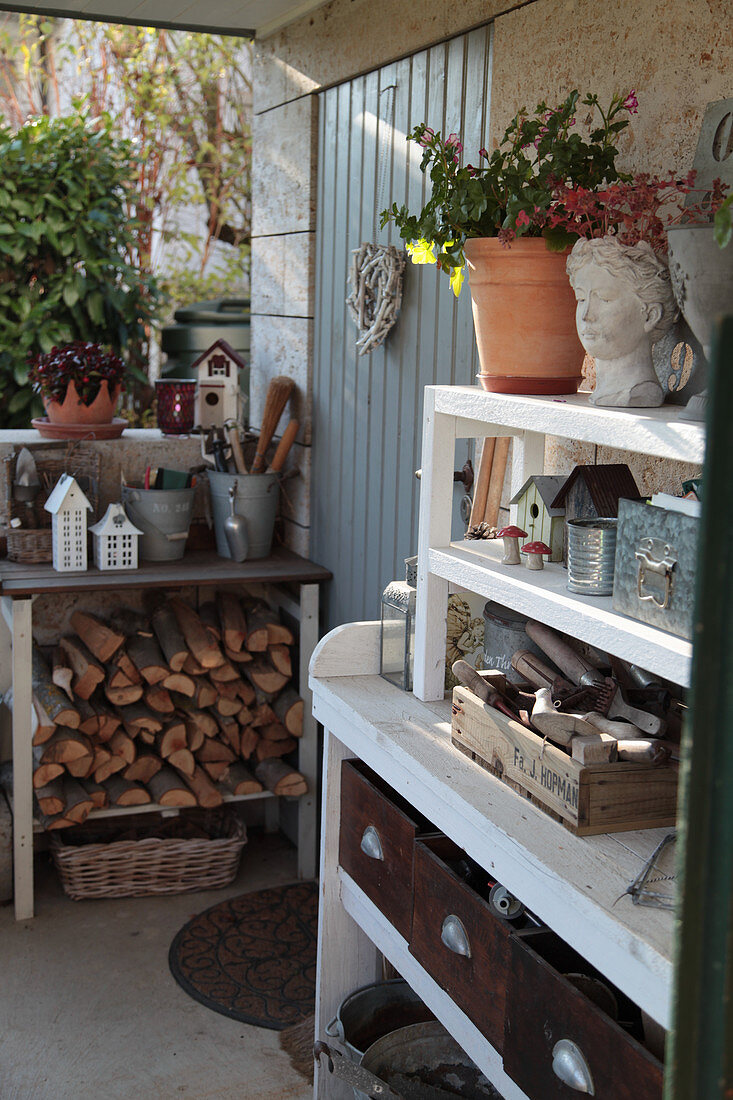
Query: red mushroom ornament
{"x":534,"y":552}
{"x":511,"y":536}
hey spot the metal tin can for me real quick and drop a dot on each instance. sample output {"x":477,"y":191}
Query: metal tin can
{"x":591,"y":555}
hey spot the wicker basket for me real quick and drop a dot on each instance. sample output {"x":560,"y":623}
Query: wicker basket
{"x":91,"y":867}
{"x":34,"y":544}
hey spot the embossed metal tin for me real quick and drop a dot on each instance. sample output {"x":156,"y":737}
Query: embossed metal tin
{"x":591,"y":555}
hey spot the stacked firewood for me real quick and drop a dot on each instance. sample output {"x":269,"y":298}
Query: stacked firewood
{"x":178,"y":708}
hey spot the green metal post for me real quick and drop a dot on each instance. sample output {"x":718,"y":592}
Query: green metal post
{"x":700,"y":1045}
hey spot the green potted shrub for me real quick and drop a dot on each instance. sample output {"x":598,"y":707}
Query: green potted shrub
{"x":80,"y":384}
{"x":495,"y":217}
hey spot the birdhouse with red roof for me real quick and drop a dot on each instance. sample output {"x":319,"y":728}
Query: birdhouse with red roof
{"x":218,"y":394}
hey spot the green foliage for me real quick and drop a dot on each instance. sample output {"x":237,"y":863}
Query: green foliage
{"x":67,"y":248}
{"x":723,"y":222}
{"x":511,"y":192}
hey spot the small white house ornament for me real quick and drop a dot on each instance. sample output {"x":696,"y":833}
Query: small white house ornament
{"x":218,"y":394}
{"x":68,"y":507}
{"x":115,"y":540}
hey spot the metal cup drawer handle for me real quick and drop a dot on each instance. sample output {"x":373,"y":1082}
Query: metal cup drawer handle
{"x":371,"y":845}
{"x":569,"y":1064}
{"x":655,"y":557}
{"x":453,"y":934}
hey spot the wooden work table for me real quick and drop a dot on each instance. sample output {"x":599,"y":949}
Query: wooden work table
{"x":296,"y":587}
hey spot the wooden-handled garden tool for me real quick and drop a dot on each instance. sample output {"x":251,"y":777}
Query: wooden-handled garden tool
{"x":278,"y":392}
{"x":283,"y":447}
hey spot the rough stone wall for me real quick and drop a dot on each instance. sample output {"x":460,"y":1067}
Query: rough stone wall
{"x":676,"y":54}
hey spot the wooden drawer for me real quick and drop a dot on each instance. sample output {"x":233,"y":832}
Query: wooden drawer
{"x":376,"y":841}
{"x":543,"y":1008}
{"x":475,"y":981}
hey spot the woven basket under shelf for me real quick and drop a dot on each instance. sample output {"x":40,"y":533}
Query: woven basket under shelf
{"x":150,"y":865}
{"x":35,"y":544}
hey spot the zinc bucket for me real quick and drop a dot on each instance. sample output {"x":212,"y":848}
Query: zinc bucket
{"x":255,"y":499}
{"x":591,"y":555}
{"x":373,"y":1011}
{"x":424,"y":1054}
{"x":164,"y":516}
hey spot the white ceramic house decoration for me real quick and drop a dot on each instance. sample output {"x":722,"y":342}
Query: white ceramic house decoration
{"x":115,"y":540}
{"x":218,"y":393}
{"x":68,"y":506}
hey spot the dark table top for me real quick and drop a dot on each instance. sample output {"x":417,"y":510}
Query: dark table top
{"x":199,"y":568}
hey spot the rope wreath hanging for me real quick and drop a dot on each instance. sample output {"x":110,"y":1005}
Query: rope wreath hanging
{"x":375,"y":275}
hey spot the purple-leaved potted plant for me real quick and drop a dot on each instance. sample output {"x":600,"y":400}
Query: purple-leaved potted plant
{"x":80,"y":383}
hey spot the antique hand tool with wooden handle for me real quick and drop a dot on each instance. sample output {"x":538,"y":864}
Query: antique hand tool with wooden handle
{"x":610,"y":700}
{"x":278,"y":393}
{"x":283,"y":447}
{"x":469,"y":677}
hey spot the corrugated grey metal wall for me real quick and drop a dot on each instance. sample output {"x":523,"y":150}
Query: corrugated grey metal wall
{"x":367,"y":411}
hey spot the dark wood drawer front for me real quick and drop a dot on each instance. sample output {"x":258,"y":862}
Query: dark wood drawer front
{"x":543,"y":1008}
{"x":376,"y":842}
{"x":476,"y":982}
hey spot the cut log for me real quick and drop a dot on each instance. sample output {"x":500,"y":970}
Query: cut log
{"x":167,"y":788}
{"x":123,"y":696}
{"x":114,"y":764}
{"x":198,"y":639}
{"x":228,"y":688}
{"x":210,"y":618}
{"x":99,"y":638}
{"x":121,"y":744}
{"x":226,"y":671}
{"x":52,"y":700}
{"x":65,"y":746}
{"x":266,"y":749}
{"x":192,"y":667}
{"x":280,"y":778}
{"x":289,"y":708}
{"x":108,"y":723}
{"x":170,"y":638}
{"x":262,"y":675}
{"x":238,"y":656}
{"x":146,"y":655}
{"x":82,"y":767}
{"x":206,"y":793}
{"x":44,"y":774}
{"x":136,"y":716}
{"x":227,"y":707}
{"x":158,"y":698}
{"x":183,"y":760}
{"x":245,"y":716}
{"x":123,"y":792}
{"x":263,"y":714}
{"x":277,"y":633}
{"x":117,"y":677}
{"x":205,"y":693}
{"x":214,"y":749}
{"x":89,"y":724}
{"x":230,"y":733}
{"x":62,"y":674}
{"x":128,"y":667}
{"x":46,"y":727}
{"x":180,"y":682}
{"x":207,"y":723}
{"x":101,"y":756}
{"x":240,"y":780}
{"x":144,"y":768}
{"x":248,"y":738}
{"x":77,"y":803}
{"x":247,"y":693}
{"x":51,"y":798}
{"x":49,"y":824}
{"x":172,"y":738}
{"x":96,"y":792}
{"x":88,"y":672}
{"x":233,"y":621}
{"x":132,"y":622}
{"x":217,"y":770}
{"x":279,"y":658}
{"x":256,"y":640}
{"x":194,"y":734}
{"x":274,"y":731}
{"x":146,"y":737}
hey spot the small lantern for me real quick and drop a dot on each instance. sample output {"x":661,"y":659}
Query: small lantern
{"x":398,"y":630}
{"x":175,"y":397}
{"x":115,"y":540}
{"x":68,"y":507}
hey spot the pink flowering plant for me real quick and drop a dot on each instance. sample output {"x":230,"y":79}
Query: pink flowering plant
{"x":512,"y":192}
{"x":87,"y":365}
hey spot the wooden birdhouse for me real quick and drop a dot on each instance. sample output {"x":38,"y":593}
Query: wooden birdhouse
{"x":593,"y":491}
{"x":68,"y":507}
{"x":537,"y":513}
{"x":115,"y":540}
{"x":218,"y":394}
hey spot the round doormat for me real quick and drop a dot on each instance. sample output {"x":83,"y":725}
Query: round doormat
{"x":253,"y":957}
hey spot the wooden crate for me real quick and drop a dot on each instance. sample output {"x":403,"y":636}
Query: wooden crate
{"x":597,"y":798}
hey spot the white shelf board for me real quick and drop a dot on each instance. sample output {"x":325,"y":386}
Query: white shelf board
{"x":576,"y":885}
{"x":394,"y":947}
{"x":475,"y":564}
{"x":658,"y":432}
{"x":154,"y":807}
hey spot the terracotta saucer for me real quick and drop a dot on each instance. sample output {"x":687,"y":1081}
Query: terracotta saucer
{"x":112,"y":430}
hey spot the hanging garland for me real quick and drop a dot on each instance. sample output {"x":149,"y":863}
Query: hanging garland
{"x":374,"y":303}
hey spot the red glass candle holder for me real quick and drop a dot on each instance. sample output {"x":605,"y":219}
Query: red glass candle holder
{"x":175,"y":405}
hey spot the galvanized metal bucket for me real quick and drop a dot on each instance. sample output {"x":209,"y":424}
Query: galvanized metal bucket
{"x":164,"y":517}
{"x":504,"y":634}
{"x":373,"y":1011}
{"x":591,"y":555}
{"x":255,"y":498}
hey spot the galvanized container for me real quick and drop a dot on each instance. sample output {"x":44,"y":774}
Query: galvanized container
{"x":504,"y":634}
{"x":373,"y":1011}
{"x":164,"y":517}
{"x":591,"y":555}
{"x":255,"y":499}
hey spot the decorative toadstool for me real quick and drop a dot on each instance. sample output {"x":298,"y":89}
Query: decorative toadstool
{"x":534,"y":552}
{"x":511,"y":536}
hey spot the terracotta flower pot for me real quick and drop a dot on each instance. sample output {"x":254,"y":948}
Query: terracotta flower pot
{"x":523,"y":316}
{"x":72,"y":409}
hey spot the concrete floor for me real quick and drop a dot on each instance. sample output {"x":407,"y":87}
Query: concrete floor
{"x":89,"y":1009}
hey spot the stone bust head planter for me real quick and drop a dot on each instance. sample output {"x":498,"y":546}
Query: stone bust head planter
{"x":625,"y":304}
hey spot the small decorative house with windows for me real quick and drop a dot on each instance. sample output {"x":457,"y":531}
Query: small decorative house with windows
{"x":593,"y":492}
{"x":538,"y":515}
{"x":115,"y":540}
{"x":68,"y":507}
{"x":218,"y":394}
